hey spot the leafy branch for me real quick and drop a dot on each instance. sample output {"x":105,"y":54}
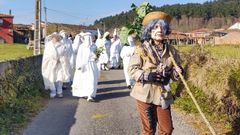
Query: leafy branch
{"x":136,"y":26}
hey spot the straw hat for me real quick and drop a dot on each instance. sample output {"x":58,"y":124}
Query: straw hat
{"x":106,"y":34}
{"x":156,"y":15}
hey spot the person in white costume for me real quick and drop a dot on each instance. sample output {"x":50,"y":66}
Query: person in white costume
{"x":86,"y":73}
{"x":55,"y":66}
{"x":99,"y":45}
{"x":104,"y":58}
{"x":126,"y":53}
{"x":69,"y":50}
{"x":48,"y":38}
{"x":115,"y":51}
{"x":99,"y":39}
{"x":76,"y":43}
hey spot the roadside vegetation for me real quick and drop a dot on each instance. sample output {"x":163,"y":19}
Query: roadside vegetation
{"x":22,"y":93}
{"x":213,"y":75}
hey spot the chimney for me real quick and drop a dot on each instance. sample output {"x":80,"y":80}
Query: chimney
{"x":10,"y":12}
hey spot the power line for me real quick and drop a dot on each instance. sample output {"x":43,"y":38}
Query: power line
{"x":44,"y":3}
{"x":64,"y":13}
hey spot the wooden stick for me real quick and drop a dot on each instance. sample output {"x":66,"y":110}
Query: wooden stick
{"x":191,"y":95}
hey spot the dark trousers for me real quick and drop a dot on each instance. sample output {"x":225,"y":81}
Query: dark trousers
{"x":151,"y":115}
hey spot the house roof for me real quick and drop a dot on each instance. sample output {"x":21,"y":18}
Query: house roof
{"x":5,"y":15}
{"x":202,"y":30}
{"x":235,"y":26}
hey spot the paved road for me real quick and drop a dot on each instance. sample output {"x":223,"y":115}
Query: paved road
{"x":114,"y":114}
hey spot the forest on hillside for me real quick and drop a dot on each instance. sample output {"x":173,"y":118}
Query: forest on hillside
{"x":186,"y":17}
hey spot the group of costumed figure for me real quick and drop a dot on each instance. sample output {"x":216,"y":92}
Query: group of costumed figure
{"x":148,"y":67}
{"x":78,"y":63}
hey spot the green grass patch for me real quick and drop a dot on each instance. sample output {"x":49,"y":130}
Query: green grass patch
{"x":14,"y":51}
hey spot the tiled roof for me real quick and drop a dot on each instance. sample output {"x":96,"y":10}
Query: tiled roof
{"x":5,"y":15}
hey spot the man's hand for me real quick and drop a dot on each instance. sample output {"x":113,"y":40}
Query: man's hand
{"x":152,"y":77}
{"x":178,"y":69}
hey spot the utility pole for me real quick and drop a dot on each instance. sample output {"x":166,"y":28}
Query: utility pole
{"x":37,"y":28}
{"x":45,"y":29}
{"x":103,"y":24}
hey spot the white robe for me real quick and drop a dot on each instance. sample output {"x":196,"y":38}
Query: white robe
{"x":86,"y":73}
{"x":99,"y":44}
{"x":105,"y":55}
{"x":126,"y":53}
{"x":115,"y":53}
{"x":76,"y":43}
{"x":69,"y":51}
{"x":54,"y":65}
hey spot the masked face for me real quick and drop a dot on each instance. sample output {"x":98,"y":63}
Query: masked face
{"x":157,"y":33}
{"x":56,"y":39}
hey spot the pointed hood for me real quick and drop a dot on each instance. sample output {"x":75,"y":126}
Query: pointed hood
{"x":99,"y":34}
{"x":115,"y":32}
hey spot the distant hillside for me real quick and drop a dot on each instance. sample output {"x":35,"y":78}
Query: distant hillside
{"x":187,"y":17}
{"x":70,"y":28}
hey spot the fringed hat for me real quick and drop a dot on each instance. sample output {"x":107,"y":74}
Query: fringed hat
{"x":156,"y":15}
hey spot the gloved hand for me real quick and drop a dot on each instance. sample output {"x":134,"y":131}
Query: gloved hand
{"x":156,"y":77}
{"x":152,"y":77}
{"x":164,"y":80}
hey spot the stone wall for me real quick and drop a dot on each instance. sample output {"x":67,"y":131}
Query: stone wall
{"x":20,"y":77}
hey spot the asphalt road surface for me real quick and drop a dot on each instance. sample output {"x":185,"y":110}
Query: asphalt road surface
{"x":114,"y":114}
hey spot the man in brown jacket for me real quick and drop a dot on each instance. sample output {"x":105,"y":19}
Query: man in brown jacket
{"x":152,"y":69}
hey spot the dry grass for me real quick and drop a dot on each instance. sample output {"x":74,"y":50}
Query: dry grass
{"x":197,"y":122}
{"x":217,"y":51}
{"x":213,"y":78}
{"x":215,"y":84}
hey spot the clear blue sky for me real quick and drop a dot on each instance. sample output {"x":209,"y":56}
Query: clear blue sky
{"x":76,"y":11}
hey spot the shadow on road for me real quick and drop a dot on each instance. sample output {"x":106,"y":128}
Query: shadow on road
{"x":57,"y":118}
{"x":101,"y":90}
{"x":106,"y":96}
{"x":111,"y":89}
{"x":111,"y":82}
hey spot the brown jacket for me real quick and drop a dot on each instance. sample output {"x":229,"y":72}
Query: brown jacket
{"x":142,"y":62}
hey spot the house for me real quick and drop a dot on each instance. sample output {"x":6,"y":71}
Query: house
{"x":235,"y":26}
{"x":22,"y":33}
{"x":6,"y":28}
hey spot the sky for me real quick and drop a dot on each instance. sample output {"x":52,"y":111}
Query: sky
{"x":83,"y":12}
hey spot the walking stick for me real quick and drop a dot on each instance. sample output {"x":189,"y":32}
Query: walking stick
{"x":191,"y":95}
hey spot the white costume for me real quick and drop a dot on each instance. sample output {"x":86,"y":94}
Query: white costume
{"x":126,"y":53}
{"x":105,"y":56}
{"x":76,"y":43}
{"x":99,"y":44}
{"x":99,"y":40}
{"x":86,"y":74}
{"x":69,"y":50}
{"x":115,"y":53}
{"x":55,"y":67}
